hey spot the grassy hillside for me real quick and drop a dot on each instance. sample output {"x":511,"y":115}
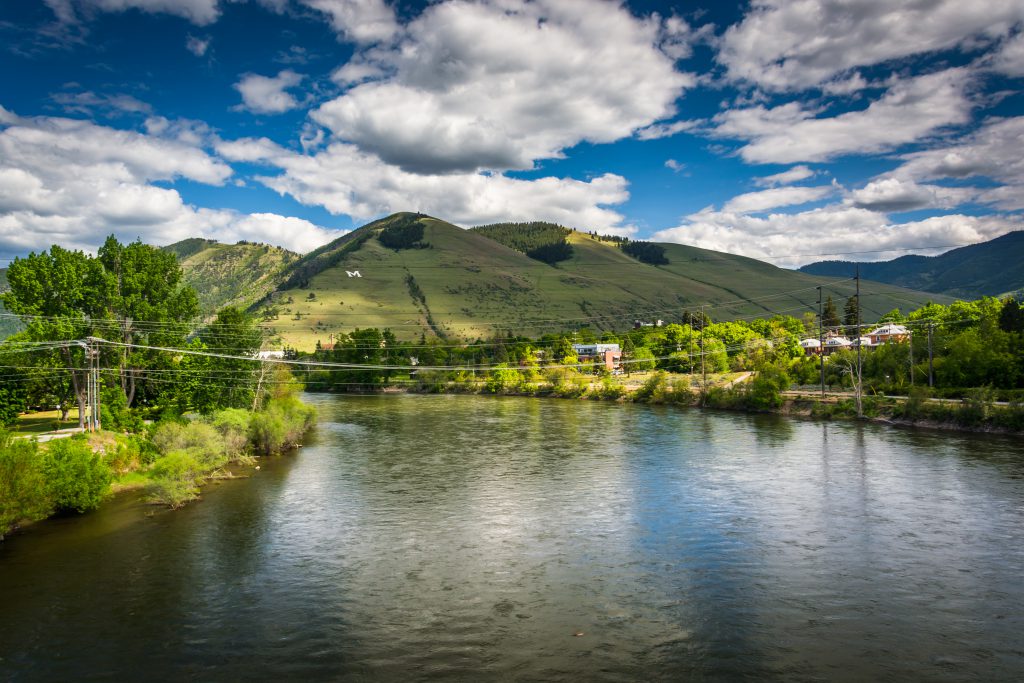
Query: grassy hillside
{"x":460,"y":284}
{"x":991,"y":268}
{"x":231,"y":274}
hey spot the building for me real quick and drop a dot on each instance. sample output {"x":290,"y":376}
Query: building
{"x":833,"y":344}
{"x":811,"y":347}
{"x":270,"y":355}
{"x":889,"y":334}
{"x":609,"y":354}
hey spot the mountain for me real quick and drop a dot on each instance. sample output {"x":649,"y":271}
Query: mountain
{"x":231,"y":274}
{"x":417,"y":274}
{"x":991,"y":268}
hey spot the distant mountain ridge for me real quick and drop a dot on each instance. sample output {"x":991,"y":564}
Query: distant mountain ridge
{"x":990,"y":268}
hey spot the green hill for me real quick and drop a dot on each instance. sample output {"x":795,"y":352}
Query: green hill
{"x":991,"y":268}
{"x":440,"y":279}
{"x":231,"y":274}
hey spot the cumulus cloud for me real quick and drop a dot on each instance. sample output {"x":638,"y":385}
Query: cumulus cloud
{"x":893,"y":194}
{"x":911,"y":109}
{"x":993,"y":152}
{"x":74,"y":182}
{"x":788,"y":45}
{"x":362,"y":21}
{"x":345,"y":180}
{"x":459,"y":93}
{"x":793,"y":175}
{"x":757,"y":202}
{"x":268,"y":95}
{"x":791,"y":240}
{"x":674,"y":166}
{"x":89,"y":103}
{"x":665,"y":130}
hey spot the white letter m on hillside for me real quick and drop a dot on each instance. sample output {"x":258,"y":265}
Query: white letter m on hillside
{"x":353,"y":273}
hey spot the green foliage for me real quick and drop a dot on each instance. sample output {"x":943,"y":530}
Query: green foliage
{"x":502,"y":379}
{"x":204,"y":441}
{"x":764,"y":392}
{"x":24,"y":495}
{"x":654,"y":389}
{"x":176,"y":478}
{"x":280,"y":425}
{"x":647,"y":252}
{"x":642,"y":360}
{"x":829,"y":315}
{"x":541,"y":241}
{"x":406,"y":234}
{"x":77,"y":478}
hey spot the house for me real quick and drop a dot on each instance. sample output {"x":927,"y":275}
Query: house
{"x":811,"y":347}
{"x":890,"y":333}
{"x":609,"y":354}
{"x":637,"y":324}
{"x":833,"y":344}
{"x":270,"y":355}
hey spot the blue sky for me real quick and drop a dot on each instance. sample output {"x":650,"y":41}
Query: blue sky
{"x":783,"y":130}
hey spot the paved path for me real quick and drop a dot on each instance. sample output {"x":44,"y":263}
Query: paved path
{"x":50,"y":436}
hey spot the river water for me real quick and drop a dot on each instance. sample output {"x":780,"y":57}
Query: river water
{"x":470,"y":538}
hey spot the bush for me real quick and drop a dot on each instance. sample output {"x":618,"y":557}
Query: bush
{"x":200,"y":438}
{"x":280,"y":426}
{"x":77,"y":478}
{"x":654,"y":388}
{"x":233,"y":425}
{"x":176,"y":478}
{"x":23,"y":492}
{"x":764,"y":392}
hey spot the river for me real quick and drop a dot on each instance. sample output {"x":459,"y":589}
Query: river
{"x":474,"y":538}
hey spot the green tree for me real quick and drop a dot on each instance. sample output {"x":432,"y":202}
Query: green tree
{"x":149,"y":306}
{"x":61,"y":295}
{"x":851,"y":317}
{"x":830,"y":316}
{"x":641,"y":360}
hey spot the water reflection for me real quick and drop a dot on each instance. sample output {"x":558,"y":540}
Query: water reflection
{"x":454,"y":537}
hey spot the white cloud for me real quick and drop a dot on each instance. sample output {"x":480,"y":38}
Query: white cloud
{"x":790,"y":240}
{"x":197,"y":46}
{"x":993,"y":151}
{"x":345,"y":180}
{"x":674,"y":165}
{"x":88,"y":102}
{"x":796,"y":44}
{"x":1010,"y":59}
{"x":266,"y":95}
{"x":362,"y":21}
{"x":199,"y":12}
{"x":665,"y":130}
{"x":757,"y":202}
{"x":892,"y":194}
{"x":73,"y":183}
{"x":911,"y":109}
{"x":793,"y":175}
{"x":499,"y":84}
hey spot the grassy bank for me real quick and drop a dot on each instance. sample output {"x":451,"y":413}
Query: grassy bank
{"x":171,"y":460}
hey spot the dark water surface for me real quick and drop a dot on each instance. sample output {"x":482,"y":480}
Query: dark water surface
{"x":468,"y":538}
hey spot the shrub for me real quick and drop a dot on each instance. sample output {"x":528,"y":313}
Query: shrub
{"x":764,"y":392}
{"x":77,"y":478}
{"x":233,"y":425}
{"x":23,"y":492}
{"x":654,"y":388}
{"x":176,"y":478}
{"x":200,"y":438}
{"x":280,"y":425}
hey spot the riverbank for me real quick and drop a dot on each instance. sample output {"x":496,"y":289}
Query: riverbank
{"x":171,"y":459}
{"x":764,"y":392}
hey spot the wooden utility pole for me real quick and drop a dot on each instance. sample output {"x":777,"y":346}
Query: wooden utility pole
{"x":860,"y":408}
{"x":703,"y":367}
{"x":931,"y":369}
{"x":821,"y":344}
{"x":911,"y":357}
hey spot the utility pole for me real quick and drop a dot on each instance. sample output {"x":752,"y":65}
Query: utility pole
{"x":821,"y":344}
{"x":931,"y":369}
{"x":703,"y":368}
{"x":860,"y":410}
{"x":911,"y":357}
